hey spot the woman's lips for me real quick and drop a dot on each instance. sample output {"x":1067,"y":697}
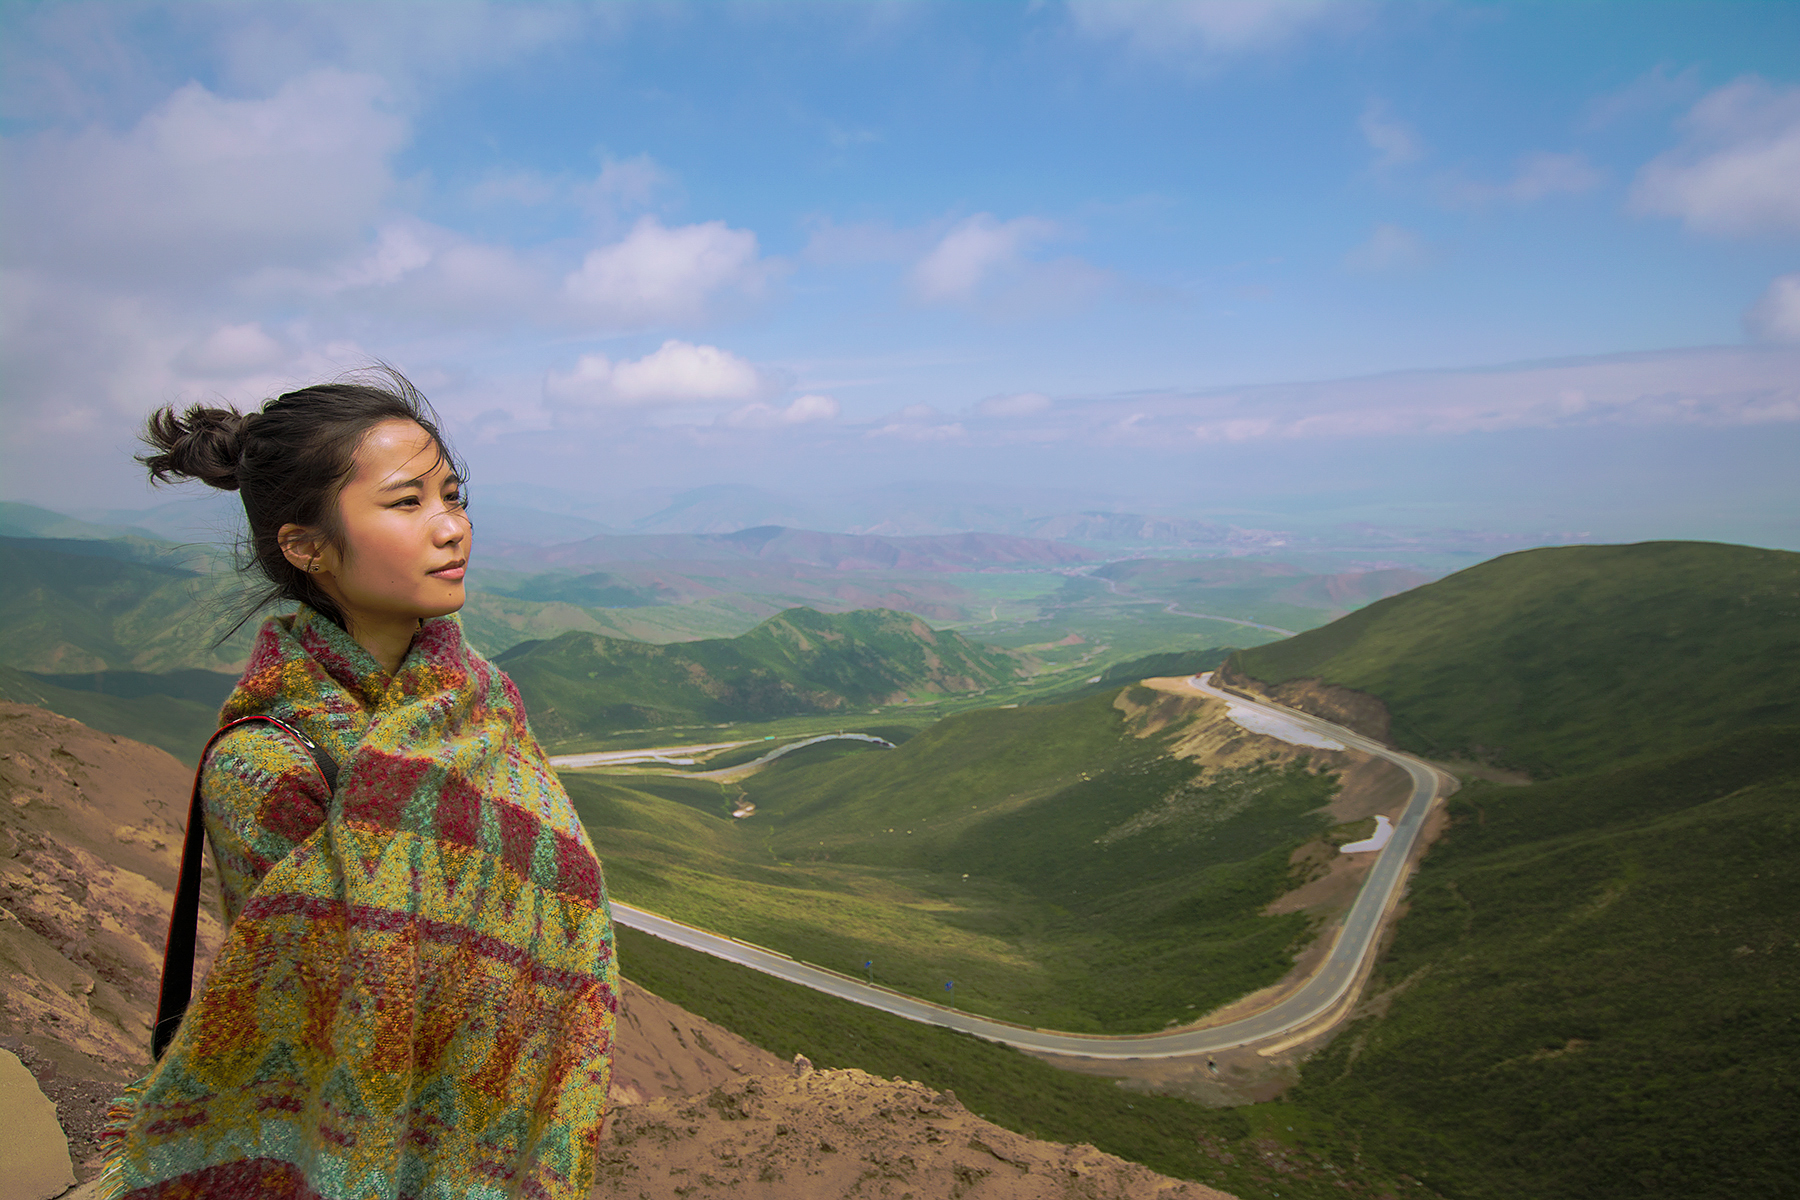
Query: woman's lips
{"x":451,"y":574}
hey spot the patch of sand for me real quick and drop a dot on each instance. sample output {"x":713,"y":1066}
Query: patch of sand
{"x":846,"y":1133}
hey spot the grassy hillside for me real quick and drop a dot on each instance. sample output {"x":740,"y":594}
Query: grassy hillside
{"x":79,"y":606}
{"x":1061,"y":870}
{"x":1148,"y":666}
{"x":177,"y":712}
{"x":1264,"y":1152}
{"x":798,"y":662}
{"x":1570,"y":658}
{"x":1595,"y":989}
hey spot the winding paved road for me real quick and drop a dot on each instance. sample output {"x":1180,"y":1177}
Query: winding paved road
{"x":1320,"y":994}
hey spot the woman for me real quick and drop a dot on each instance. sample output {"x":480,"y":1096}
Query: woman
{"x":416,"y":995}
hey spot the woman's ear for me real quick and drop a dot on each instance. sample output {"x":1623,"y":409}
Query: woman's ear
{"x":302,"y":547}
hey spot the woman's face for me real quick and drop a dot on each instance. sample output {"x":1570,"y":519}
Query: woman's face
{"x":406,"y":536}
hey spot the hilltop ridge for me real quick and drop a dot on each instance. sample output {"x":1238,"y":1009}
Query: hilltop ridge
{"x":1565,"y":658}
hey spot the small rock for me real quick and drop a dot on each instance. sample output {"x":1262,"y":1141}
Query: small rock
{"x":802,"y":1064}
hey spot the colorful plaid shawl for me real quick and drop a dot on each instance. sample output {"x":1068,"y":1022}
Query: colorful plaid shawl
{"x":417,"y":997}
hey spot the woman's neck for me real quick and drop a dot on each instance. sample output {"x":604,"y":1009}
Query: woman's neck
{"x":387,"y":641}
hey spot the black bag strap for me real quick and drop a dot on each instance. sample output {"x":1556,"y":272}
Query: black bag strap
{"x":178,"y":954}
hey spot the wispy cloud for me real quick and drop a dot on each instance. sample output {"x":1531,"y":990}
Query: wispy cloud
{"x":1736,"y":170}
{"x":204,"y":186}
{"x":657,"y":274}
{"x":1775,"y":317}
{"x":1016,"y":404}
{"x":802,"y":410}
{"x":1535,"y":177}
{"x":675,"y":373}
{"x":1714,"y":388}
{"x":1394,"y":142}
{"x":1208,"y":29}
{"x":1389,"y":248}
{"x":973,"y":254}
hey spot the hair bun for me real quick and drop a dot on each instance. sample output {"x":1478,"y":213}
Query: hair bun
{"x":202,"y":443}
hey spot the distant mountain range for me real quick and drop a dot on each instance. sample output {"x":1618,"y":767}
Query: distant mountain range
{"x":777,"y":544}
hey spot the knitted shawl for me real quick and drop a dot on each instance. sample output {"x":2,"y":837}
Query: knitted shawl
{"x":417,"y":997}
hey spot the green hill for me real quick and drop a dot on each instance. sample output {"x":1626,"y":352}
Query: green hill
{"x":78,"y":606}
{"x":1593,"y":993}
{"x":799,"y":661}
{"x":177,"y":712}
{"x":1570,"y":658}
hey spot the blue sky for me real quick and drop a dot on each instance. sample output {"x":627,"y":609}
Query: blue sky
{"x":1522,"y":266}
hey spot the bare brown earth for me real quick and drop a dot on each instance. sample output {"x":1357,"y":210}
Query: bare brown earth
{"x":845,"y":1133}
{"x":89,"y":850}
{"x":1344,"y":706}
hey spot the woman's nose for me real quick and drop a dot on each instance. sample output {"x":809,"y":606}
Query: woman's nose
{"x":451,"y":526}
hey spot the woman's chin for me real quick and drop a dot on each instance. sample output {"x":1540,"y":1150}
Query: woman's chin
{"x":444,"y":605}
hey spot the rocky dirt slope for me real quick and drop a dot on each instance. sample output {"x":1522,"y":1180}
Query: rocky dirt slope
{"x":89,"y":847}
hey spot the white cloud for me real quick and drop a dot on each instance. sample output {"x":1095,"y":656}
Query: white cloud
{"x":1736,"y":170}
{"x":1208,"y":27}
{"x":1775,"y":317}
{"x":658,"y":274}
{"x":260,"y":42}
{"x":802,"y":411}
{"x":1725,"y":387}
{"x":1389,"y":248}
{"x":1019,"y":404}
{"x":1654,"y":91}
{"x":401,"y":247}
{"x":1394,"y":142}
{"x":910,"y":431}
{"x":204,"y":186}
{"x":862,"y":242}
{"x":676,"y":373}
{"x":1545,"y":174}
{"x":1535,"y":177}
{"x":623,"y":184}
{"x":973,"y":253}
{"x":232,"y":350}
{"x":811,"y":408}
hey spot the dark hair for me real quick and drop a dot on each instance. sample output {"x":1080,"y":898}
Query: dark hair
{"x":288,"y":462}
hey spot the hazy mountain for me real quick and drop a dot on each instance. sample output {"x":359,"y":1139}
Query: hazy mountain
{"x":530,"y":526}
{"x":197,"y":514}
{"x":777,"y":544}
{"x":81,"y":606}
{"x":798,"y":662}
{"x":29,"y":521}
{"x":176,"y":712}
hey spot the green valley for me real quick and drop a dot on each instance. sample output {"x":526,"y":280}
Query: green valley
{"x":1056,"y":862}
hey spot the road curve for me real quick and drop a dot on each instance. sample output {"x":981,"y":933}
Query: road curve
{"x":1355,"y":940}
